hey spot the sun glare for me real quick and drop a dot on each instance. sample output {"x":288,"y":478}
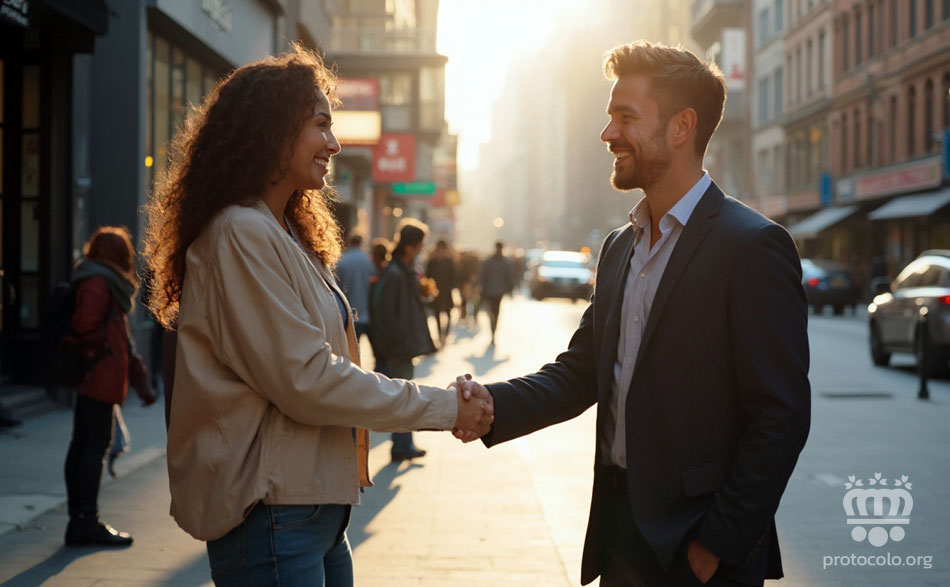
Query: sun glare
{"x":482,"y":38}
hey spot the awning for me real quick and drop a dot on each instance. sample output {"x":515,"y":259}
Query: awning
{"x":821,"y":220}
{"x":912,"y":206}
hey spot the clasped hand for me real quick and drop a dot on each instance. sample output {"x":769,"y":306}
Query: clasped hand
{"x":476,"y":410}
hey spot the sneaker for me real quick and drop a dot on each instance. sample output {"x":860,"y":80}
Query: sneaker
{"x":412,"y":453}
{"x":90,"y":531}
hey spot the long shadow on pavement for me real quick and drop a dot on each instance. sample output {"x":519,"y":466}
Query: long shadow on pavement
{"x":375,"y":500}
{"x":486,"y":362}
{"x":52,"y":566}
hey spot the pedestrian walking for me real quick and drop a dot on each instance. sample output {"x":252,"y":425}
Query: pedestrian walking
{"x":354,"y":271}
{"x":399,"y":325}
{"x":105,"y":286}
{"x":694,"y":349}
{"x":267,"y":440}
{"x":496,"y":280}
{"x":469,"y":264}
{"x":444,"y":271}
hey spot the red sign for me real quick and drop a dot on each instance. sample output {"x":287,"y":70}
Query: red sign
{"x":922,"y":175}
{"x":394,"y":158}
{"x":358,"y":94}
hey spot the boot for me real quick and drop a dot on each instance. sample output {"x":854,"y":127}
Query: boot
{"x":91,"y":531}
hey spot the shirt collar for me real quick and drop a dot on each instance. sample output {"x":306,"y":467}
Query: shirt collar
{"x":681,"y":211}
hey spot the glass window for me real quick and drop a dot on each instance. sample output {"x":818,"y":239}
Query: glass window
{"x":821,"y":60}
{"x":193,"y":84}
{"x":912,"y":275}
{"x":149,"y":109}
{"x":162,"y":104}
{"x":29,"y":301}
{"x":777,"y":85}
{"x":929,"y":128}
{"x":894,"y":23}
{"x":928,"y":14}
{"x":209,"y":82}
{"x":808,"y":68}
{"x":31,"y":96}
{"x":870,"y":30}
{"x":912,"y":13}
{"x":779,"y":16}
{"x":30,"y":236}
{"x":911,"y":121}
{"x":178,"y":90}
{"x":763,"y":32}
{"x":845,"y":44}
{"x":763,"y":100}
{"x":857,"y":138}
{"x":30,"y":166}
{"x":946,"y":9}
{"x":395,"y":98}
{"x":858,"y":39}
{"x":892,"y":124}
{"x":845,"y":162}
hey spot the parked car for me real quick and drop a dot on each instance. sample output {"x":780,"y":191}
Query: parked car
{"x":895,"y":316}
{"x":562,"y":274}
{"x":828,"y":283}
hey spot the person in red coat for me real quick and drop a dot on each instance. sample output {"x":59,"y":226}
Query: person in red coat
{"x":105,"y":286}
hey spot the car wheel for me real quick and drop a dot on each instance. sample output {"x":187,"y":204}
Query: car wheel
{"x":838,"y":310}
{"x":936,"y":365}
{"x":878,"y":356}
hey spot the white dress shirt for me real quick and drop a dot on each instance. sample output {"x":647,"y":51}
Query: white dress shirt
{"x":647,"y":265}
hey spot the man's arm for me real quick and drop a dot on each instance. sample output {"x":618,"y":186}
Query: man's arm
{"x":769,"y":339}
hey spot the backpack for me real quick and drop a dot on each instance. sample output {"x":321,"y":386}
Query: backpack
{"x":71,"y":360}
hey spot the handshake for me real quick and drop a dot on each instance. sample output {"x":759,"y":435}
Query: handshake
{"x":476,"y":410}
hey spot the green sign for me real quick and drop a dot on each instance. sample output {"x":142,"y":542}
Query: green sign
{"x":414,"y":188}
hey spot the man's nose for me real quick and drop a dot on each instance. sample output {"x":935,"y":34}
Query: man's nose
{"x":609,"y":133}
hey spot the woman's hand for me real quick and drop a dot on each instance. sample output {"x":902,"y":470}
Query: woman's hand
{"x":476,"y":410}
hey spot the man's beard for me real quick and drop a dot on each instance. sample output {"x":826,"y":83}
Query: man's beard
{"x":648,"y":166}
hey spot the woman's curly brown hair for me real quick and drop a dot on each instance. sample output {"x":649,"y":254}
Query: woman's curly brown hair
{"x":231,"y":149}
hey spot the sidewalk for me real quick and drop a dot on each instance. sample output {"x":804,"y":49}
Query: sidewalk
{"x":462,"y":515}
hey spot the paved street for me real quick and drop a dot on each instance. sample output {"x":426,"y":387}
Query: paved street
{"x":514,"y":515}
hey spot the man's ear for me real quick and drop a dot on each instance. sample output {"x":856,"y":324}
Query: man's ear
{"x":683,"y":127}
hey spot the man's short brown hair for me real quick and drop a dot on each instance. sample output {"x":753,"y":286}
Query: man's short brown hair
{"x":679,"y":80}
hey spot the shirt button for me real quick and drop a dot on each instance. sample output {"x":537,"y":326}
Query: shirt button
{"x":636,"y":318}
{"x":643,"y":276}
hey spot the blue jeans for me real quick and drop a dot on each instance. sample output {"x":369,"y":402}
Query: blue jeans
{"x":285,"y":545}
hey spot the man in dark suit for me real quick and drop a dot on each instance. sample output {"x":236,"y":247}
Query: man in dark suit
{"x":694,"y":348}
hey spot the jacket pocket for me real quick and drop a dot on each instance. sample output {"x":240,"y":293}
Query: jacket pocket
{"x":705,"y":478}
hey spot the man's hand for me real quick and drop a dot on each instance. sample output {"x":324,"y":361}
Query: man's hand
{"x":471,"y":392}
{"x":701,"y":561}
{"x":475,"y":412}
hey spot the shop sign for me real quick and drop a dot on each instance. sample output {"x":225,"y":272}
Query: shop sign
{"x":734,"y":58}
{"x":219,"y":12}
{"x":414,"y":189}
{"x":394,"y":158}
{"x":358,"y":93}
{"x":844,"y":188}
{"x":918,"y":176}
{"x":15,"y":11}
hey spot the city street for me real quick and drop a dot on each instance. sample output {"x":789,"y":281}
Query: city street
{"x":516,"y":515}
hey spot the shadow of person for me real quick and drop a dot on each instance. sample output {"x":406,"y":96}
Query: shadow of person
{"x":485,"y":363}
{"x":54,"y":564}
{"x":375,"y":499}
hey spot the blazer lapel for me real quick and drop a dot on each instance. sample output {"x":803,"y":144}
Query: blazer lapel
{"x":625,"y":241}
{"x":693,"y":234}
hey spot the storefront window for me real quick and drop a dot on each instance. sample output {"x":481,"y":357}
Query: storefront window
{"x":395,"y":98}
{"x":31,"y":96}
{"x":162,"y":102}
{"x":178,"y":90}
{"x":30,"y":301}
{"x":29,"y":236}
{"x":193,"y":84}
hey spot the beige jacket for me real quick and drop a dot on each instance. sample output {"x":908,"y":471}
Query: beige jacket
{"x":268,"y":386}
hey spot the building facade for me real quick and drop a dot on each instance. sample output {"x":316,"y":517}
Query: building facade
{"x":720,"y":28}
{"x":890,"y":125}
{"x":43,"y":161}
{"x":768,"y":106}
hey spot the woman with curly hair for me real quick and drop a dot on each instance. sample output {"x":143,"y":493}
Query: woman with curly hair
{"x":267,"y":447}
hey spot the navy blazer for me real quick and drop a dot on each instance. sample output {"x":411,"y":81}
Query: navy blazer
{"x":719,"y":406}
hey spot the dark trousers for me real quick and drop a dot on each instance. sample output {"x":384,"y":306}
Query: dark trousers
{"x":628,"y":559}
{"x":398,"y":369}
{"x":92,"y":435}
{"x":494,"y":308}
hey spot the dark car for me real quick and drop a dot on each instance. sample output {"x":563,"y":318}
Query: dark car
{"x":563,"y":274}
{"x":829,"y":284}
{"x":896,"y":315}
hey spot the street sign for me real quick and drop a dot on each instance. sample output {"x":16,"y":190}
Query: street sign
{"x":394,"y":158}
{"x":414,"y":189}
